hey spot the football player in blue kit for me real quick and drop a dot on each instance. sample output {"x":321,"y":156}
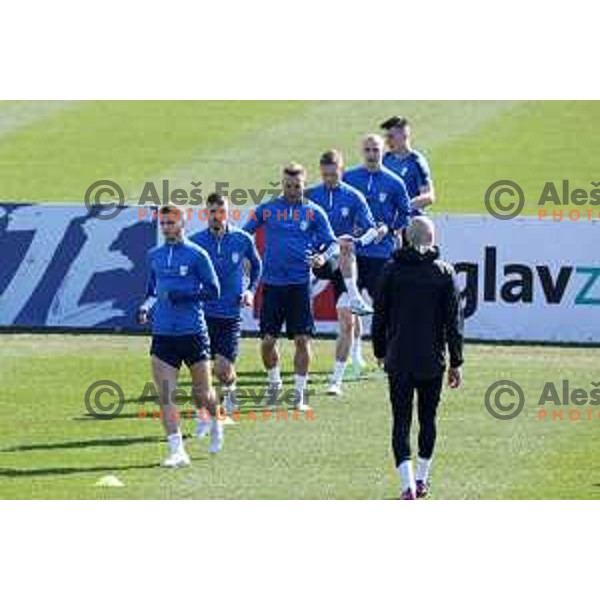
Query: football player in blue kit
{"x":353,"y":225}
{"x":408,"y":163}
{"x":230,"y":249}
{"x":388,"y":200}
{"x":298,"y":236}
{"x":181,"y":277}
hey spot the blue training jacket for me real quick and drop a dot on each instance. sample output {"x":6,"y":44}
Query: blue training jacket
{"x":414,"y":170}
{"x":292,"y":233}
{"x":389,"y":203}
{"x":181,"y":277}
{"x":346,"y":208}
{"x":228,"y":253}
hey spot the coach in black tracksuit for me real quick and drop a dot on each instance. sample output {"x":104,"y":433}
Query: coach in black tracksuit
{"x":417,"y":314}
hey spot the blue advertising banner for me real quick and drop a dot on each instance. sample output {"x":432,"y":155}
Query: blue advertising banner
{"x":61,"y":267}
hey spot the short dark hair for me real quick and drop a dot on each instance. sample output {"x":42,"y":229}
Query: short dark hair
{"x":216,"y":199}
{"x":331,"y":157}
{"x":167,"y":210}
{"x":396,"y":121}
{"x":172,"y":211}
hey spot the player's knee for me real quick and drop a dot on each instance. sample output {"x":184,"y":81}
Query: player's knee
{"x":202,"y":394}
{"x":220,"y":367}
{"x":225,"y":372}
{"x":229,"y":377}
{"x":302,"y":340}
{"x":221,"y":373}
{"x":302,"y":343}
{"x":346,"y":329}
{"x":346,"y":319}
{"x":268,"y":342}
{"x":346,"y":252}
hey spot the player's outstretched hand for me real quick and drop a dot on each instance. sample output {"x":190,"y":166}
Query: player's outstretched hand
{"x":382,"y":230}
{"x":142,"y":316}
{"x":247,"y":299}
{"x":455,"y":377}
{"x":316,"y":261}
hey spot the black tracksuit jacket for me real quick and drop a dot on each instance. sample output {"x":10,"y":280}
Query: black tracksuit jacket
{"x":418,"y":313}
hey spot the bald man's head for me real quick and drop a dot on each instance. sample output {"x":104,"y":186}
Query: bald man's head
{"x":372,"y":151}
{"x":420,"y":234}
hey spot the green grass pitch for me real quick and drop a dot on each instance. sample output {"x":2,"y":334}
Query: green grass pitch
{"x":53,"y":151}
{"x":50,"y":448}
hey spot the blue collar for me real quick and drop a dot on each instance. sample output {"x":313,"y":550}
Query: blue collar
{"x":210,"y":231}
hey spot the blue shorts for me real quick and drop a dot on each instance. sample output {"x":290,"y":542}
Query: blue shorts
{"x":175,"y":349}
{"x":369,"y":272}
{"x":224,"y":334}
{"x":289,"y":304}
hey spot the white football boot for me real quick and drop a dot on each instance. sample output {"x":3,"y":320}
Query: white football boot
{"x":334,"y":388}
{"x":359,"y":307}
{"x":175,"y":460}
{"x":178,"y":457}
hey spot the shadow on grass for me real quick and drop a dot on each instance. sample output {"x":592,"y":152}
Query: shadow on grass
{"x":136,"y":416}
{"x":259,"y":378}
{"x":72,"y":444}
{"x":140,"y":400}
{"x":49,"y":471}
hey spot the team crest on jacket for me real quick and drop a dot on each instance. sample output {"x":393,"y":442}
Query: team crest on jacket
{"x":345,"y":211}
{"x":183,"y":270}
{"x":235,"y":257}
{"x":382,"y":197}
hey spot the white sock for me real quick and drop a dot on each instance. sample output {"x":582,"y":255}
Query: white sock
{"x":423,"y":467}
{"x":175,"y":442}
{"x":202,"y":419}
{"x":352,"y":288}
{"x":228,"y":392}
{"x":405,"y":470}
{"x":338,"y":371}
{"x":357,"y":350}
{"x":300,"y":382}
{"x":274,"y":375}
